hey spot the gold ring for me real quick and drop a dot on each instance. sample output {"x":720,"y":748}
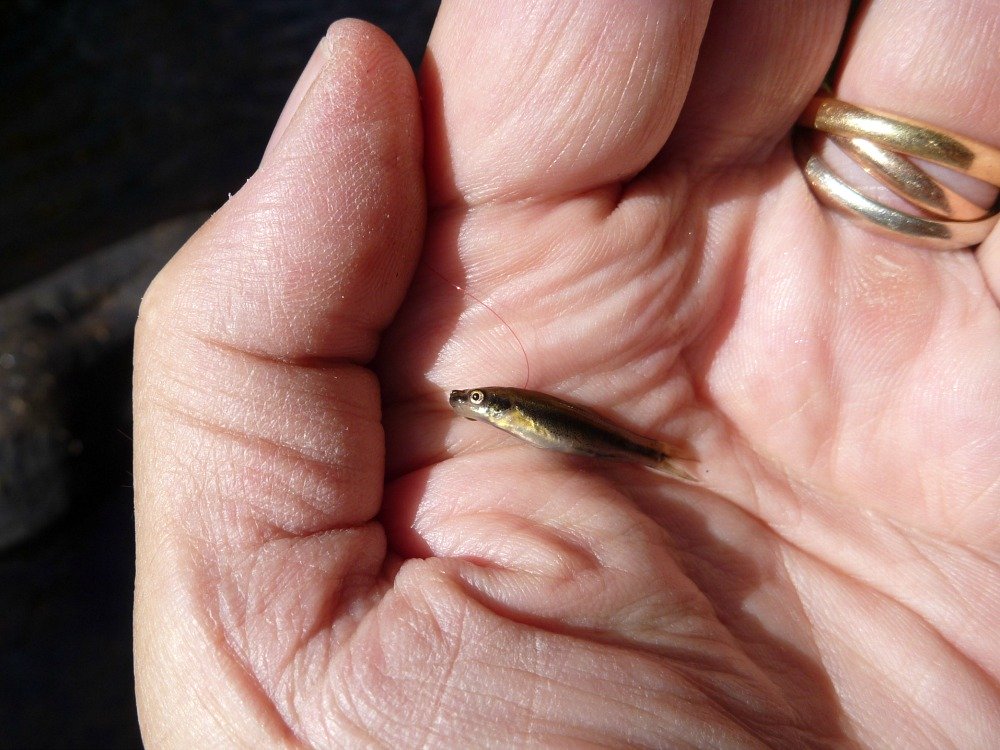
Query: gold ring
{"x":945,"y":235}
{"x":904,"y":136}
{"x":909,"y":181}
{"x":880,"y":143}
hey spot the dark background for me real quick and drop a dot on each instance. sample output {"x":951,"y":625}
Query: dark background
{"x":116,"y":119}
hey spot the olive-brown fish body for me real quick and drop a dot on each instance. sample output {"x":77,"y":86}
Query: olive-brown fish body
{"x":550,"y":422}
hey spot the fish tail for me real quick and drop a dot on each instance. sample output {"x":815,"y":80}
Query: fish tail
{"x":671,"y":463}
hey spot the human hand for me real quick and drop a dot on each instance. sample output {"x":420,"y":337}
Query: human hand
{"x":835,"y":576}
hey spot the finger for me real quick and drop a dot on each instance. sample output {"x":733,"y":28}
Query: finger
{"x":758,"y":66}
{"x":259,"y":448}
{"x":905,"y":58}
{"x":552,"y":97}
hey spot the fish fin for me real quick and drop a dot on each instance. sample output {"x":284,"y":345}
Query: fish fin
{"x":671,"y":465}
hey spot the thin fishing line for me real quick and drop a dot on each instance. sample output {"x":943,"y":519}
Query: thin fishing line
{"x":524,"y":352}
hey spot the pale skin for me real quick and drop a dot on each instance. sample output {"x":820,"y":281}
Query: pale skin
{"x":326,"y":556}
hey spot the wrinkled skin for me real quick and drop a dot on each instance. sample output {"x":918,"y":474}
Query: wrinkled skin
{"x":327,"y":556}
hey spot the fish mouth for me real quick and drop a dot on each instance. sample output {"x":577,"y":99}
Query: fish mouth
{"x":459,"y":401}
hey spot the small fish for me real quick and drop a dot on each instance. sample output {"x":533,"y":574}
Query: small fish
{"x":550,"y":422}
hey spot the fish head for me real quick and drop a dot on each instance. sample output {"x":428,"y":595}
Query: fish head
{"x":483,"y":404}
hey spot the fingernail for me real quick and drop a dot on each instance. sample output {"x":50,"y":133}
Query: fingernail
{"x":309,"y":74}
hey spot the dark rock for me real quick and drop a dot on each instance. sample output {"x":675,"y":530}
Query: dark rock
{"x":65,"y":347}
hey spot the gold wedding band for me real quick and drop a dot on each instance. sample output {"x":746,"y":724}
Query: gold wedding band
{"x":881,"y":144}
{"x":945,"y":235}
{"x":909,"y":181}
{"x":904,"y":136}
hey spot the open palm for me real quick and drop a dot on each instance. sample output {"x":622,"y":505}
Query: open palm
{"x":615,"y":217}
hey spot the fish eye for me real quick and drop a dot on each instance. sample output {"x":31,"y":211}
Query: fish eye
{"x":476,"y":397}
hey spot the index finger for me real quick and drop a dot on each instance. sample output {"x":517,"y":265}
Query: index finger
{"x":549,"y":98}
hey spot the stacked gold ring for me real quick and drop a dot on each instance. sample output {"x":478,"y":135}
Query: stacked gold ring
{"x":881,"y":144}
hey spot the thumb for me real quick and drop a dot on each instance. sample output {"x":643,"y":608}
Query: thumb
{"x":258,"y":443}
